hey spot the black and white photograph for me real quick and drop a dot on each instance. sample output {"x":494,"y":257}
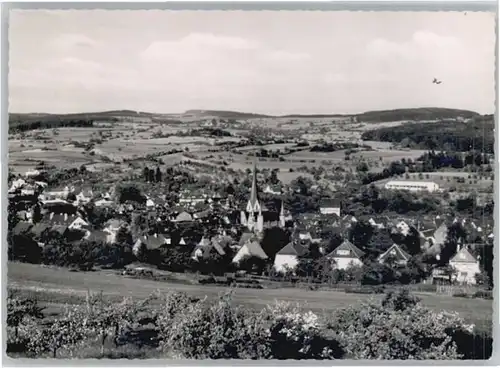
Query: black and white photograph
{"x":254,"y":185}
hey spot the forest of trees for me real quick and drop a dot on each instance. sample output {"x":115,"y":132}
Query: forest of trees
{"x":332,"y":147}
{"x":414,"y":114}
{"x":444,"y":135}
{"x":25,"y":122}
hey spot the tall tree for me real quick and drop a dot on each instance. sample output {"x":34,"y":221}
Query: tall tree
{"x":158,"y":175}
{"x":151,"y":175}
{"x":360,"y":234}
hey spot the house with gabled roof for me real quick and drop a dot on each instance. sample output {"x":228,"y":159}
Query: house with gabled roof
{"x":245,"y":237}
{"x":348,"y":221}
{"x":40,"y":230}
{"x":395,"y":254}
{"x":84,"y":196}
{"x":77,"y":223}
{"x":438,"y":238}
{"x":346,"y":255}
{"x":466,"y":266}
{"x":205,"y":247}
{"x":183,"y":217}
{"x":152,"y":242}
{"x":250,"y":249}
{"x":329,"y":206}
{"x":288,"y":257}
{"x":112,"y":227}
{"x":22,"y":227}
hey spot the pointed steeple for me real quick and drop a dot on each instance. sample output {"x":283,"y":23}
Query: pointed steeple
{"x":253,"y":204}
{"x":253,"y":193}
{"x":282,"y":216}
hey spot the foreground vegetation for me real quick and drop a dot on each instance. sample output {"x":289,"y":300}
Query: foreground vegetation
{"x":397,"y":327}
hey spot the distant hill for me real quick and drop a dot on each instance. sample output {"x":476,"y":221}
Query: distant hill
{"x":424,"y":113}
{"x":235,"y":115}
{"x":416,"y":114}
{"x":29,"y":121}
{"x":317,"y":116}
{"x":441,"y":135}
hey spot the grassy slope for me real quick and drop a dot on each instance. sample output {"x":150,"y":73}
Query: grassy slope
{"x":63,"y":286}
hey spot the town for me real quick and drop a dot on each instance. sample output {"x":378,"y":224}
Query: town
{"x":174,"y":218}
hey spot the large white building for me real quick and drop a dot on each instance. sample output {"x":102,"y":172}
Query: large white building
{"x":413,"y":186}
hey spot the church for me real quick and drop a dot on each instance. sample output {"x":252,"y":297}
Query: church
{"x":255,"y":217}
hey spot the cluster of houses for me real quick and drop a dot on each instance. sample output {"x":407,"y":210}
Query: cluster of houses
{"x":225,"y":226}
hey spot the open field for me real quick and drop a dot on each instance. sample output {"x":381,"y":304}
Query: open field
{"x":60,"y":286}
{"x":134,"y":137}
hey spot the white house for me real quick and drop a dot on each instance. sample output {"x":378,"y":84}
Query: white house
{"x":273,"y":189}
{"x":84,"y":196}
{"x":346,"y":255}
{"x":78,"y":223}
{"x":466,"y":266}
{"x":288,"y":257}
{"x":250,"y":249}
{"x":329,"y":206}
{"x":103,"y":203}
{"x":403,"y":227}
{"x":16,"y":184}
{"x":413,"y":186}
{"x":57,"y":194}
{"x":32,"y":173}
{"x":112,"y":228}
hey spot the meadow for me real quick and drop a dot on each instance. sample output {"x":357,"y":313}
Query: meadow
{"x":58,"y":285}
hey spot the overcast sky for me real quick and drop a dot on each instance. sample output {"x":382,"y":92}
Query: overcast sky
{"x":267,"y":62}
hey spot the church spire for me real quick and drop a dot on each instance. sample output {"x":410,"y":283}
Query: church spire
{"x":253,"y":193}
{"x":253,"y":203}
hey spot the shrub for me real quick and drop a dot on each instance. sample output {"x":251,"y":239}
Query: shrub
{"x":217,"y":331}
{"x":221,"y":331}
{"x":461,"y":295}
{"x":66,"y":331}
{"x":297,"y":335}
{"x":397,"y":328}
{"x":365,"y":290}
{"x":485,"y":294}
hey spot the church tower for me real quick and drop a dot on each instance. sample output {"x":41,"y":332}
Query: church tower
{"x":255,"y":220}
{"x":253,"y":205}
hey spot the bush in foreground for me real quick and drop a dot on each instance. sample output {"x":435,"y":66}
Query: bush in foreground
{"x":397,"y":328}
